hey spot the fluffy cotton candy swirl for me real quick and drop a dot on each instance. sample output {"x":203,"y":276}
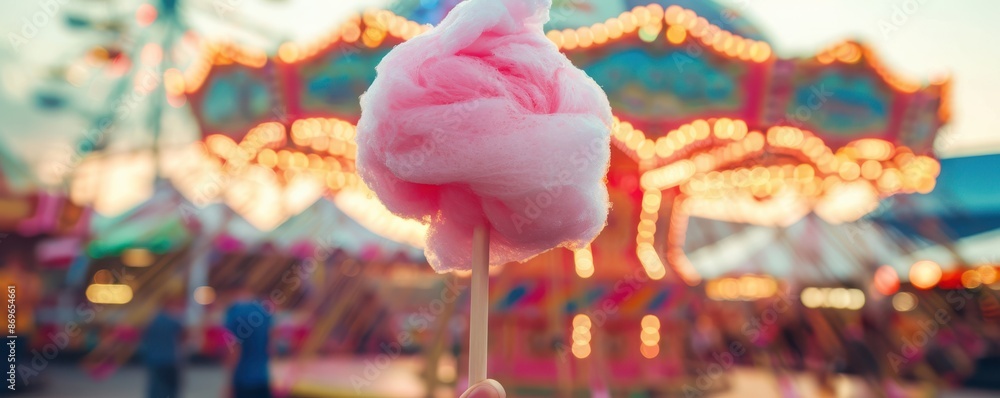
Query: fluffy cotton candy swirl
{"x":482,"y":121}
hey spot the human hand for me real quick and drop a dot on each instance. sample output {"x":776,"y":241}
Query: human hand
{"x":485,"y":389}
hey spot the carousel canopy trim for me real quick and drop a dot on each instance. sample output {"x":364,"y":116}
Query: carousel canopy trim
{"x":772,"y":179}
{"x":850,"y":52}
{"x":648,"y":22}
{"x":219,"y":54}
{"x":271,"y":174}
{"x":371,"y":28}
{"x":317,"y":149}
{"x":750,"y":93}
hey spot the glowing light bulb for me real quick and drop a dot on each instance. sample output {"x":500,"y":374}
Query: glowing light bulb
{"x":925,"y":274}
{"x":904,"y":301}
{"x":886,"y":280}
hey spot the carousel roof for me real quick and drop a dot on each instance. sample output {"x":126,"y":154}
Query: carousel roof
{"x":572,"y":14}
{"x":696,"y":105}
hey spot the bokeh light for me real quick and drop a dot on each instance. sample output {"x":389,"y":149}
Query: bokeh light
{"x":925,"y":274}
{"x":145,"y":15}
{"x":886,"y":280}
{"x":904,"y":301}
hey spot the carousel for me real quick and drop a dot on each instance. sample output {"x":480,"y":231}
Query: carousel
{"x":740,"y":181}
{"x":718,"y":143}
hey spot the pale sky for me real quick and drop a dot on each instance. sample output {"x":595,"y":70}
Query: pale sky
{"x":939,"y":36}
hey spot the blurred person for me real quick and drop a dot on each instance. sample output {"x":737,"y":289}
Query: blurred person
{"x":859,"y":359}
{"x":249,"y":325}
{"x":161,"y":349}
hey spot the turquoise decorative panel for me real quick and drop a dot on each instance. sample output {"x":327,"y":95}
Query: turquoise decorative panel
{"x":333,"y":83}
{"x":668,"y":84}
{"x":841,"y":104}
{"x":236,"y":99}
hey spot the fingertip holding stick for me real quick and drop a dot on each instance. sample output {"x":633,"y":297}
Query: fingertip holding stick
{"x":479,"y":309}
{"x":485,"y":389}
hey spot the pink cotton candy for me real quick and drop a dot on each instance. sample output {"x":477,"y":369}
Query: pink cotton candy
{"x":482,"y":120}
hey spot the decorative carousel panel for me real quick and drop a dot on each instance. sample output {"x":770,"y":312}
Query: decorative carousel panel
{"x":841,"y":103}
{"x":237,"y":99}
{"x":924,"y":117}
{"x":844,"y":94}
{"x":232,"y":90}
{"x":331,"y":84}
{"x":666,"y":84}
{"x":663,"y":68}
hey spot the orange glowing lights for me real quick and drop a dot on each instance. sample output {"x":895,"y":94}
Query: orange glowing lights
{"x":871,"y":170}
{"x":703,"y":160}
{"x":647,"y":22}
{"x":849,"y":171}
{"x":872,"y":148}
{"x":925,"y":274}
{"x":650,"y":336}
{"x":904,"y":301}
{"x":886,"y":280}
{"x":586,"y":37}
{"x":584,"y":261}
{"x":324,"y":150}
{"x":851,"y":52}
{"x":288,"y":52}
{"x":556,"y":37}
{"x":744,"y":288}
{"x":971,"y":279}
{"x":987,"y":274}
{"x":570,"y":39}
{"x":109,"y":293}
{"x":581,"y":336}
{"x":173,"y":82}
{"x":837,"y":298}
